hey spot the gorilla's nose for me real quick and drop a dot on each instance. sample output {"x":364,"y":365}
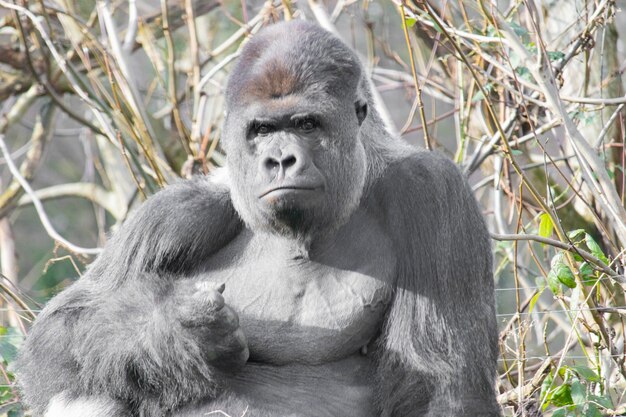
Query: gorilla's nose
{"x":272,"y":163}
{"x":283,"y":163}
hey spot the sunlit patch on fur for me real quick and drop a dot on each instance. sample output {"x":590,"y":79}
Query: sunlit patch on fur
{"x":61,"y":406}
{"x":220,"y":176}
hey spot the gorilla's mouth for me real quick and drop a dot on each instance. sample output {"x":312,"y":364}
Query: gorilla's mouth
{"x":287,"y":191}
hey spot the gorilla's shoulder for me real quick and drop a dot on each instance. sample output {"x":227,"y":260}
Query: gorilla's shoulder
{"x":185,"y":222}
{"x":421,"y":171}
{"x":196,"y":202}
{"x":199,"y":189}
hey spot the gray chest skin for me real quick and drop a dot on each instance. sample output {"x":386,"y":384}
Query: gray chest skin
{"x":308,"y":311}
{"x":306,"y":320}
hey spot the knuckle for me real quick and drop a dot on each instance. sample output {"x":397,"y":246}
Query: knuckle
{"x":213,"y":299}
{"x":240,"y":338}
{"x":235,"y":344}
{"x":231,"y":319}
{"x":223,"y":323}
{"x":209,"y":286}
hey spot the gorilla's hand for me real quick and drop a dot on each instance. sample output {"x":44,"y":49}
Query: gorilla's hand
{"x":200,"y":308}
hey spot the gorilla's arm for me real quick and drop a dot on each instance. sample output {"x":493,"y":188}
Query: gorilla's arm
{"x":173,"y":231}
{"x":128,"y":328}
{"x":438,"y":350}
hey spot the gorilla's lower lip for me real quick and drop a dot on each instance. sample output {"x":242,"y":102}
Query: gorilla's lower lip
{"x":287,"y":190}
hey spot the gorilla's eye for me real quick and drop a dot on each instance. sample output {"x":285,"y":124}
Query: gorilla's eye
{"x":307,"y":125}
{"x":262,"y":129}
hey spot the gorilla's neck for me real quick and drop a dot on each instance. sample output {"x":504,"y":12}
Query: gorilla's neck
{"x":381,"y":147}
{"x":290,"y":247}
{"x":314,"y":244}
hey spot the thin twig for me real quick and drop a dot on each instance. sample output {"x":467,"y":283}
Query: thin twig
{"x":565,"y":246}
{"x":418,"y":90}
{"x":43,"y":217}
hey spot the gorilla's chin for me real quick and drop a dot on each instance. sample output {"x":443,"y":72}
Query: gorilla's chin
{"x":294,"y":220}
{"x":293,"y":211}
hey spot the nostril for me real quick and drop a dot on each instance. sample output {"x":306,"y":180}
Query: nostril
{"x":271,"y":164}
{"x":289,"y":161}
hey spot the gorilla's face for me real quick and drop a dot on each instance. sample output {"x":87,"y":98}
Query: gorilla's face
{"x":297,"y":164}
{"x":292,"y":132}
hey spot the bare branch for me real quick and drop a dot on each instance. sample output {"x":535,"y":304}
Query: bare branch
{"x":39,"y":207}
{"x":89,"y":191}
{"x":566,"y":246}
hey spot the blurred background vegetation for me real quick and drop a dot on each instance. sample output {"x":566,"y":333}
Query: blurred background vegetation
{"x":103,"y":102}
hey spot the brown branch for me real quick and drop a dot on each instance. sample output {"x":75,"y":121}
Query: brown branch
{"x":565,"y":246}
{"x":512,"y":397}
{"x":41,"y":134}
{"x":89,"y":191}
{"x":175,"y":15}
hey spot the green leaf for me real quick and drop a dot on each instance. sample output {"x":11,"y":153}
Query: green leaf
{"x":566,"y":276}
{"x":554,"y":283}
{"x":586,"y":373}
{"x":595,"y":249}
{"x":16,"y":412}
{"x":8,"y":352}
{"x":524,"y":72}
{"x":587,"y":273}
{"x":520,"y":31}
{"x":6,"y":393}
{"x":592,"y":411}
{"x":491,"y":31}
{"x":410,"y":21}
{"x":562,"y":396}
{"x":479,"y":94}
{"x":545,"y":225}
{"x":533,"y":300}
{"x":561,"y":412}
{"x":562,"y":272}
{"x":575,"y":233}
{"x":579,"y":393}
{"x":611,"y":174}
{"x":9,"y":344}
{"x":603,"y":401}
{"x":437,"y":26}
{"x":555,"y":55}
{"x":516,"y":152}
{"x":585,"y":117}
{"x":545,"y":387}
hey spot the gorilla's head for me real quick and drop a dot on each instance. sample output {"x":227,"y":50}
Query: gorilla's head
{"x":294,"y":111}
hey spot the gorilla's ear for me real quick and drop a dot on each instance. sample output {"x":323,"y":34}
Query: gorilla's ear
{"x":360,"y":106}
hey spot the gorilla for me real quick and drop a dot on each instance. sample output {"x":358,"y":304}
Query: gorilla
{"x":331,"y":270}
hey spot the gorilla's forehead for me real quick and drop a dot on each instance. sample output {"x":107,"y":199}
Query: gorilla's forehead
{"x":292,"y":58}
{"x":263,"y":107}
{"x":279,"y":81}
{"x":276,"y":79}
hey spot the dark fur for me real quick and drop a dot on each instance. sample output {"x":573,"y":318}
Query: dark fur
{"x":116,"y":331}
{"x":86,"y":341}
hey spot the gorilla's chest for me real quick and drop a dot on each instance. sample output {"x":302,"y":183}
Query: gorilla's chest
{"x":307,"y":311}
